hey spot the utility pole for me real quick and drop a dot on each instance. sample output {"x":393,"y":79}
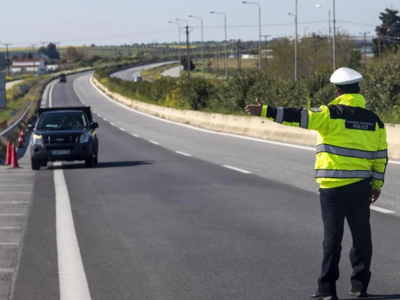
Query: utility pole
{"x":379,"y":46}
{"x":266,"y":46}
{"x":179,"y":47}
{"x":7,"y":58}
{"x":202,"y":41}
{"x":240,"y":57}
{"x":365,"y":45}
{"x":187,"y":47}
{"x":43,"y":43}
{"x":187,"y":51}
{"x":226,"y":39}
{"x":33,"y":57}
{"x":295,"y":45}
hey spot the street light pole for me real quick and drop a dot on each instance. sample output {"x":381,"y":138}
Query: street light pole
{"x":259,"y":31}
{"x":179,"y":48}
{"x":295,"y":46}
{"x":187,"y":46}
{"x":334,"y":35}
{"x":329,"y":22}
{"x":226,"y":38}
{"x":202,"y":41}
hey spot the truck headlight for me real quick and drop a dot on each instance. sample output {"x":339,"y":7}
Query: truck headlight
{"x":37,"y":139}
{"x":84,"y":138}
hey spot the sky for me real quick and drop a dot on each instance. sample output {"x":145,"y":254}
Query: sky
{"x":116,"y":22}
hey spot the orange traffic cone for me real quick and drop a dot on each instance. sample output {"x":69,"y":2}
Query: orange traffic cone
{"x":20,"y":142}
{"x":14,"y":158}
{"x":23,"y":134}
{"x":9,"y":154}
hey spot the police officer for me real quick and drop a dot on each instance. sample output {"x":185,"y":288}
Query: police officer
{"x":350,"y":168}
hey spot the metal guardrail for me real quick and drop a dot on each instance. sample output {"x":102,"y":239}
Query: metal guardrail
{"x":16,"y":123}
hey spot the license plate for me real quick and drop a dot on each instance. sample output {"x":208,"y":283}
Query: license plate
{"x":61,"y":152}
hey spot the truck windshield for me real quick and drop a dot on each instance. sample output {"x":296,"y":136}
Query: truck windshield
{"x":59,"y":121}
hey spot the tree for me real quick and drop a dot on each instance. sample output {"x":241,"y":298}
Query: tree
{"x":73,"y":54}
{"x":185,"y":64}
{"x":50,"y":51}
{"x":388,"y":32}
{"x":355,"y":59}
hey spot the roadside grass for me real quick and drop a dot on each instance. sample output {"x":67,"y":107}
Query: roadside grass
{"x":214,"y":68}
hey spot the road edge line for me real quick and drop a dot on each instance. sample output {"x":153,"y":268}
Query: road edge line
{"x":71,"y":272}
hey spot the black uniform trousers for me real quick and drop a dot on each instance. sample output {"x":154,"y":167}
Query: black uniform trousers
{"x":351,"y":202}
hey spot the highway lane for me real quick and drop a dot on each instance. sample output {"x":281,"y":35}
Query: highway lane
{"x":129,"y":74}
{"x":155,"y":224}
{"x":289,"y":165}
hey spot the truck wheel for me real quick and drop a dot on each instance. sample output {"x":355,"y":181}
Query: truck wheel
{"x":89,"y":162}
{"x":35,"y":164}
{"x":44,"y":163}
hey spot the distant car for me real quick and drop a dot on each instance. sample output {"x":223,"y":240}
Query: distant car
{"x":63,"y":78}
{"x":138,"y":78}
{"x":64,"y":134}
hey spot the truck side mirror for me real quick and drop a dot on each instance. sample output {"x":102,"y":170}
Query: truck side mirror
{"x":94,"y":125}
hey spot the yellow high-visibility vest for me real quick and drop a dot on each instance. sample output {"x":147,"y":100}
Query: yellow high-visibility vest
{"x":351,"y":143}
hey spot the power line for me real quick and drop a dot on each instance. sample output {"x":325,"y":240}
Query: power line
{"x":207,"y":27}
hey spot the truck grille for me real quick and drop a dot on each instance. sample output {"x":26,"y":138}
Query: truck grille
{"x":60,"y":140}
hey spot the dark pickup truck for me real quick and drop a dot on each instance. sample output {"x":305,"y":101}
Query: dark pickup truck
{"x":64,"y":134}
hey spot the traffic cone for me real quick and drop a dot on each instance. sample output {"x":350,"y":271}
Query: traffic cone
{"x":14,"y":158}
{"x":20,"y":142}
{"x":23,"y":134}
{"x":9,"y":154}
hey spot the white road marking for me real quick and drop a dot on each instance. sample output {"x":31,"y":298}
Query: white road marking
{"x":135,"y":135}
{"x":105,"y":119}
{"x":153,"y":142}
{"x":9,"y":174}
{"x":14,"y":202}
{"x":6,"y":270}
{"x":16,"y":184}
{"x":112,"y":124}
{"x":12,"y":215}
{"x":122,"y":129}
{"x":9,"y":244}
{"x":237,"y":169}
{"x":183,"y":153}
{"x":72,"y":277}
{"x":11,"y":193}
{"x":382,"y":210}
{"x":51,"y":94}
{"x":210,"y":131}
{"x":99,"y":116}
{"x":10,"y":228}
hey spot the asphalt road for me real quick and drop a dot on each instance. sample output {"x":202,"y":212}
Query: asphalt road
{"x":130,"y":74}
{"x":177,"y":213}
{"x":173,"y":72}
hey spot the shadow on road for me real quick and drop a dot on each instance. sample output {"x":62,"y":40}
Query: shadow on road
{"x":103,"y":165}
{"x":378,"y":297}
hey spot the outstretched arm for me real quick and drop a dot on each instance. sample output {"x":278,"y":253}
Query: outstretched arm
{"x":313,"y":119}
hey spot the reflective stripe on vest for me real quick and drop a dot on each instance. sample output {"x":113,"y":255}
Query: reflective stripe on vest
{"x":346,"y":151}
{"x":341,"y":174}
{"x":304,"y":119}
{"x":382,"y":154}
{"x":279,"y":115}
{"x":378,"y":176}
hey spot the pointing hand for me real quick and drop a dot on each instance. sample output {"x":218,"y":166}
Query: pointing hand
{"x":254,"y":110}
